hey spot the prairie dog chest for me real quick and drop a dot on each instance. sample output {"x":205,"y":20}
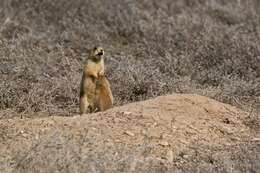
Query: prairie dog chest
{"x":93,"y":68}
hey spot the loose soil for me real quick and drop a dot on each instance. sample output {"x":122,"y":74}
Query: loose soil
{"x":179,"y":132}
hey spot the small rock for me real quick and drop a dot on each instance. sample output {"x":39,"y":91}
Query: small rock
{"x":129,"y":133}
{"x":169,"y":155}
{"x":23,"y":134}
{"x":235,"y":138}
{"x":164,"y":143}
{"x":36,"y":136}
{"x":256,"y":139}
{"x":127,"y":113}
{"x":185,"y":156}
{"x":163,"y":136}
{"x":154,"y":133}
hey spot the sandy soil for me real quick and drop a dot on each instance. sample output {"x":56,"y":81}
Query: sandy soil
{"x":181,"y":132}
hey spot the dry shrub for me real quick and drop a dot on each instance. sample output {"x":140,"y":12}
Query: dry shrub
{"x":152,"y":48}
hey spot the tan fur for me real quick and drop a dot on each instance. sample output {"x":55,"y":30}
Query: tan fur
{"x":91,"y":70}
{"x":95,"y":92}
{"x":104,"y":98}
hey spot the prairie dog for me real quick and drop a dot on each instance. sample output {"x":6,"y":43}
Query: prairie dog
{"x":95,"y":92}
{"x":93,"y":68}
{"x":95,"y":63}
{"x":104,"y":98}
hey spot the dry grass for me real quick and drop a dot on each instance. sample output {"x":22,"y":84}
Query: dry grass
{"x":153,"y":48}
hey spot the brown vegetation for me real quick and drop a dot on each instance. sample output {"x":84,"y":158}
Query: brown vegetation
{"x":153,"y":48}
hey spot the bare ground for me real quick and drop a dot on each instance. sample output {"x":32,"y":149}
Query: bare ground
{"x":174,"y":133}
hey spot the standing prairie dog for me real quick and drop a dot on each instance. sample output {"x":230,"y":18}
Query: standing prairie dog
{"x":104,"y":98}
{"x":91,"y":95}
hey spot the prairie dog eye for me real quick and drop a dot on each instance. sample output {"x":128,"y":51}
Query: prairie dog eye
{"x":95,"y":48}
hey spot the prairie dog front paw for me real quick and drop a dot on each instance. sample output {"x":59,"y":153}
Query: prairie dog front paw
{"x":101,"y":73}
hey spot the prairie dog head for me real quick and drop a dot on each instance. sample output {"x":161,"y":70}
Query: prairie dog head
{"x":96,"y":54}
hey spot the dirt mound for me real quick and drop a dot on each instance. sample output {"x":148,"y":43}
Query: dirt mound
{"x":176,"y":132}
